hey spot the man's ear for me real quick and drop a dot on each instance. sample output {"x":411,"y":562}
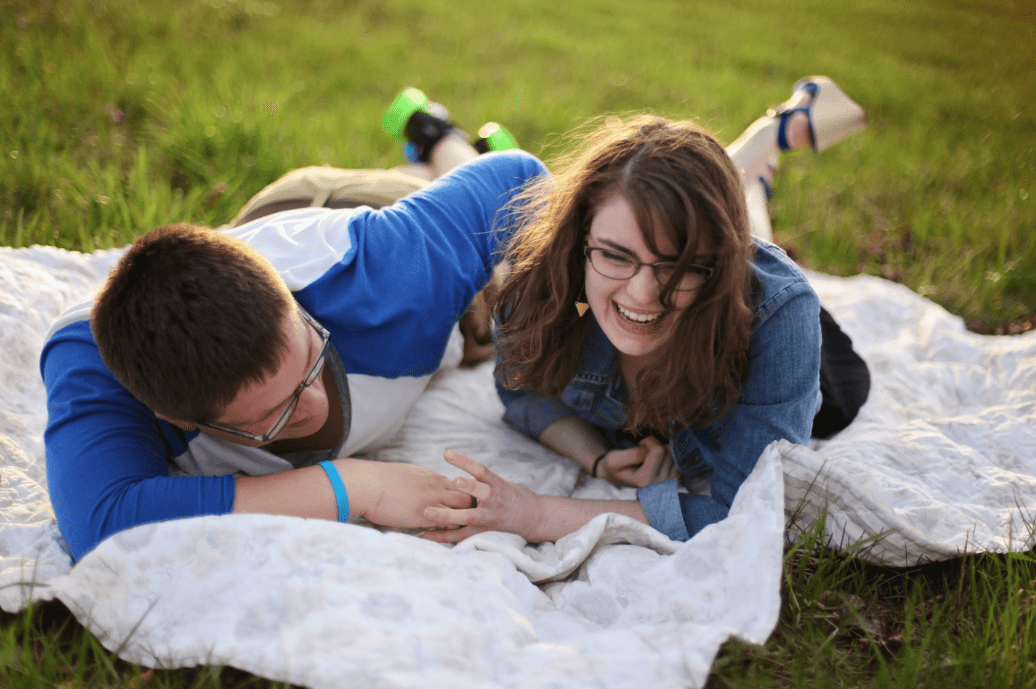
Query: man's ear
{"x":182,"y":425}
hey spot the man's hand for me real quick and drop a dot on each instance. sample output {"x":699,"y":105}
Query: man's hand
{"x":398,"y":495}
{"x":649,"y":462}
{"x":476,"y":325}
{"x":499,"y":505}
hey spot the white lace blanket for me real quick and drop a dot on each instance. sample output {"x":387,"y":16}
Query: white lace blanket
{"x":941,"y":457}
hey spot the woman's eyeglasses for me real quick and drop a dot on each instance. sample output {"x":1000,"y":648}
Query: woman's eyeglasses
{"x":619,"y":266}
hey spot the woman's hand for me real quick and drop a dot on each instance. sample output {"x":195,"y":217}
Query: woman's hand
{"x":499,"y":505}
{"x":649,"y":462}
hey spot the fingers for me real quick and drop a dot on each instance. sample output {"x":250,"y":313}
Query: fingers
{"x":460,"y":500}
{"x":444,"y":516}
{"x":452,"y":536}
{"x":481,"y":492}
{"x":646,"y":463}
{"x":650,"y":443}
{"x":630,"y":458}
{"x":465,"y":463}
{"x":656,"y":454}
{"x":658,"y":466}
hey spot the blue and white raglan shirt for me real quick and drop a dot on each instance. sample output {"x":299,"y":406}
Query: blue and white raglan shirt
{"x":389,"y":284}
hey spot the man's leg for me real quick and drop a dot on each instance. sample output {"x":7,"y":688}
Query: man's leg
{"x":329,"y":187}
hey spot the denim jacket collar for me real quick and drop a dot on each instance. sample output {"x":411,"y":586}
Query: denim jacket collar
{"x":600,"y":360}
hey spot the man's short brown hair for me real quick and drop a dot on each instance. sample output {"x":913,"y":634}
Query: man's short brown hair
{"x":188,"y":317}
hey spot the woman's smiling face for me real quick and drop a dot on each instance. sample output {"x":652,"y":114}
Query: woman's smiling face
{"x":629,"y":311}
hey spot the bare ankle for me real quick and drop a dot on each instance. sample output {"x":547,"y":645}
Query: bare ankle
{"x":797,"y":131}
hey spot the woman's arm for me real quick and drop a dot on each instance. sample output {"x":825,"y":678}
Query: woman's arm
{"x":505,"y":506}
{"x":647,"y":462}
{"x":777,"y":402}
{"x":577,"y":439}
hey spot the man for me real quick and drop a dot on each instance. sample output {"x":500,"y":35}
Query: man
{"x":240,"y":370}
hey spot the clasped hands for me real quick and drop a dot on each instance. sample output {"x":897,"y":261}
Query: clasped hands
{"x":500,"y":505}
{"x":641,"y":465}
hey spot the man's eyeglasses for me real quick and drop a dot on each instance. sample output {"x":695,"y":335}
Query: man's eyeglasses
{"x":310,"y":378}
{"x":619,"y":266}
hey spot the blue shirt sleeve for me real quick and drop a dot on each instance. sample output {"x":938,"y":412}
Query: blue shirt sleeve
{"x":778,"y":401}
{"x":106,"y":452}
{"x":416,"y":265}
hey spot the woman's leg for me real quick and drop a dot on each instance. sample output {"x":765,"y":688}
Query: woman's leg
{"x":817,"y":115}
{"x":755,"y":155}
{"x":844,"y":377}
{"x":757,"y":204}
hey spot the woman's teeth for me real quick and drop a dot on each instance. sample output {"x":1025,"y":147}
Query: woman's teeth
{"x":636,"y":317}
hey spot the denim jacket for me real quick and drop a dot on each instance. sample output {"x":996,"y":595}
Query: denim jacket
{"x":779,"y":399}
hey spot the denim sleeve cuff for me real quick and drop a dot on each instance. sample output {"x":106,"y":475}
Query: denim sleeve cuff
{"x":532,"y":414}
{"x":661,"y":504}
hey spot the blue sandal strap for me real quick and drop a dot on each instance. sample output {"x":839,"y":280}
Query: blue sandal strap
{"x":767,"y":189}
{"x":785,"y":115}
{"x":782,"y":136}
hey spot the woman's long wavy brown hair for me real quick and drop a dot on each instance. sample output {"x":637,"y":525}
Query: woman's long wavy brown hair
{"x":680,"y":184}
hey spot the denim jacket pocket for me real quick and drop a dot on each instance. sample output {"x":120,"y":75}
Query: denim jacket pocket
{"x":693,"y":465}
{"x":579,"y":397}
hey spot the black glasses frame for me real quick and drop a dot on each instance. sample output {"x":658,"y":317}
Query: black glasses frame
{"x":588,"y":251}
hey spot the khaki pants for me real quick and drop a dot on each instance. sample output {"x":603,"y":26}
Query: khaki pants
{"x":329,"y":187}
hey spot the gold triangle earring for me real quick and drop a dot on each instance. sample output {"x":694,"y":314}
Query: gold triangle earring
{"x":582,"y":306}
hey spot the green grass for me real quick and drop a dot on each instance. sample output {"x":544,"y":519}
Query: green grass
{"x":120,"y":116}
{"x":46,"y":647}
{"x":963,"y":623}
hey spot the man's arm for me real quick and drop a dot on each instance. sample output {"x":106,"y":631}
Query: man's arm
{"x":386,"y":493}
{"x":107,"y":467}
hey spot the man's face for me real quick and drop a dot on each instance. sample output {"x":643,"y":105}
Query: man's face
{"x":257,"y":407}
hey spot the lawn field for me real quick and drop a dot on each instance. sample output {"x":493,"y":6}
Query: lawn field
{"x":120,"y":116}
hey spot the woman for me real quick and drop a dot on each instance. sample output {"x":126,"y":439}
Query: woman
{"x":643,"y":332}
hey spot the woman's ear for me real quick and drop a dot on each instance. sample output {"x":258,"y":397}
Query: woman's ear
{"x":182,"y":425}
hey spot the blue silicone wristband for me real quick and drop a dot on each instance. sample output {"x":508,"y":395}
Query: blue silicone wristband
{"x":340,"y":495}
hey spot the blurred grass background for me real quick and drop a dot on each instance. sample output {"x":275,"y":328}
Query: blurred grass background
{"x":118,"y":116}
